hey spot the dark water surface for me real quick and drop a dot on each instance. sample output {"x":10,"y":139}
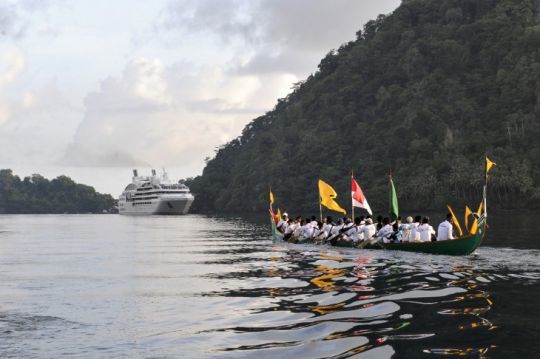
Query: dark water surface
{"x":203,"y":287}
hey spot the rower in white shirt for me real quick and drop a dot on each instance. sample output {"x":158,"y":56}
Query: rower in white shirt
{"x":306,"y":231}
{"x":368,"y":230}
{"x":386,"y":231}
{"x":425,"y":230}
{"x":406,"y":229}
{"x":414,"y":236}
{"x":353,"y":233}
{"x":444,"y":232}
{"x":283,"y":223}
{"x":328,"y":225}
{"x":337,"y":228}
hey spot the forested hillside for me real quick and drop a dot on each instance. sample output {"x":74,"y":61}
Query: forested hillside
{"x":37,"y":194}
{"x":422,"y":93}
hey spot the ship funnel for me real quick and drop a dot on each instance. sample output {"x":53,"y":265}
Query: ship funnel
{"x":153,"y":172}
{"x":135,"y":173}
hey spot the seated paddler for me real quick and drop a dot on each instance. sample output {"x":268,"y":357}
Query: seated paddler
{"x":368,"y":230}
{"x":445,"y":230}
{"x":386,"y":231}
{"x":283,"y":223}
{"x":427,"y":233}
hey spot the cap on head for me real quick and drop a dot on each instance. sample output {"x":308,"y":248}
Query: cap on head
{"x":409,"y":219}
{"x":369,"y":221}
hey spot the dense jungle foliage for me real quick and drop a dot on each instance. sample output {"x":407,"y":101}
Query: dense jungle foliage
{"x":36,"y":194}
{"x":422,"y":93}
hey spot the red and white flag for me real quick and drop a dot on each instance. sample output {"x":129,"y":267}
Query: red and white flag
{"x":358,"y":199}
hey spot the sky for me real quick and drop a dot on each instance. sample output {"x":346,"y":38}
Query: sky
{"x":92,"y":89}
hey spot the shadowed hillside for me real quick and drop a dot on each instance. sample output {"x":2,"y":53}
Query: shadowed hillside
{"x":423,"y":93}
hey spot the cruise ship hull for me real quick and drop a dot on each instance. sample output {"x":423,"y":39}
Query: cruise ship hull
{"x":163,"y":206}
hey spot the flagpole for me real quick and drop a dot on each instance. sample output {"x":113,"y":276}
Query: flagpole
{"x":352,"y":199}
{"x":390,"y":193}
{"x":320,"y":205}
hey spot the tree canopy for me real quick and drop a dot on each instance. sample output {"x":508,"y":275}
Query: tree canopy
{"x":36,"y":194}
{"x":422,"y":93}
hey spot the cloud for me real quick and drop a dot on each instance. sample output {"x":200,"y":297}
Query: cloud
{"x":276,"y":35}
{"x":163,"y":115}
{"x":16,"y":17}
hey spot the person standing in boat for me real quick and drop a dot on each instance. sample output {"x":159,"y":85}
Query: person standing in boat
{"x":445,"y":230}
{"x":427,"y":233}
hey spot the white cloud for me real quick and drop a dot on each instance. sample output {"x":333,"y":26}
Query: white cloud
{"x":12,"y":62}
{"x":164,"y":115}
{"x":16,"y":16}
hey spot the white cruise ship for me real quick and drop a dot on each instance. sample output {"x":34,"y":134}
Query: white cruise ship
{"x":154,"y":195}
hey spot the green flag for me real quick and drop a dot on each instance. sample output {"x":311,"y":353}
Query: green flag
{"x":394,"y":210}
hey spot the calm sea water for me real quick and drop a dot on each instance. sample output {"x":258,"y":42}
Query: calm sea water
{"x":206,"y":287}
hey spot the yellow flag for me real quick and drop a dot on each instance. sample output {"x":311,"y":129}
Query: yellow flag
{"x":327,"y":195}
{"x":474,"y":226}
{"x":468,"y":213}
{"x":455,"y":220}
{"x":278,"y":215}
{"x":489,"y":164}
{"x":271,"y":198}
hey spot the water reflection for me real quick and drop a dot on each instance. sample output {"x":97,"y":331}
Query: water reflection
{"x":360,"y":302}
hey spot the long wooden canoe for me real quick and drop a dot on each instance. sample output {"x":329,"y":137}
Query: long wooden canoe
{"x":456,"y":247}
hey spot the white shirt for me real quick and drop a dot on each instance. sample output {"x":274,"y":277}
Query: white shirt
{"x":444,"y":232}
{"x":425,"y":231}
{"x":291,"y":228}
{"x":306,"y":230}
{"x":336,"y":229}
{"x":414,"y":235}
{"x":385,"y":233}
{"x":327,"y":228}
{"x":406,"y":228}
{"x":352,"y":232}
{"x":369,"y":231}
{"x":282,"y":226}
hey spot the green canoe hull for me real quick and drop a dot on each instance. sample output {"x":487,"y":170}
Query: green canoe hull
{"x":456,"y":247}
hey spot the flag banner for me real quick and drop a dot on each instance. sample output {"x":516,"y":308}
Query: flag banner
{"x":394,"y":209}
{"x":358,"y":198}
{"x":271,"y":198}
{"x":278,"y":215}
{"x":273,"y":216}
{"x":468,"y":213}
{"x":489,"y":164}
{"x":327,"y":195}
{"x":455,"y":220}
{"x":474,"y":226}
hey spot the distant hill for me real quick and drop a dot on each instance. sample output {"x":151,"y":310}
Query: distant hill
{"x":423,"y":93}
{"x":36,"y":194}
